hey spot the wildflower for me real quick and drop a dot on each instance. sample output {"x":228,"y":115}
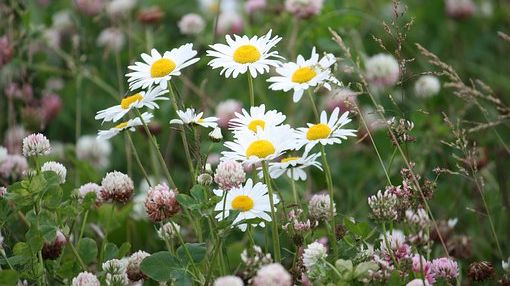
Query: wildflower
{"x":258,"y":117}
{"x":304,"y":74}
{"x":93,"y":150}
{"x":112,"y":39}
{"x":460,"y":9}
{"x":394,"y":242}
{"x":36,"y":145}
{"x":116,"y":272}
{"x":229,"y":22}
{"x":13,"y":166}
{"x":228,"y":280}
{"x":117,"y":8}
{"x":299,"y":226}
{"x":229,"y":174}
{"x":427,"y":86}
{"x":57,"y":168}
{"x":215,"y":135}
{"x":293,"y":166}
{"x":326,"y":132}
{"x":252,"y":6}
{"x":382,"y":70}
{"x":421,"y":265}
{"x":89,"y":7}
{"x":90,"y":188}
{"x":480,"y":271}
{"x":251,"y":201}
{"x":383,"y":206}
{"x":304,"y":8}
{"x":445,"y":268}
{"x":126,"y":125}
{"x":401,"y":129}
{"x":418,"y":282}
{"x":137,"y":100}
{"x":133,"y":270}
{"x":341,"y":97}
{"x":50,"y":106}
{"x":85,"y":279}
{"x":243,"y":54}
{"x":52,"y":250}
{"x":117,"y":187}
{"x":319,"y":207}
{"x":168,"y":231}
{"x":253,"y":260}
{"x":272,"y":275}
{"x":190,"y":117}
{"x":151,"y":15}
{"x":226,"y":110}
{"x":313,"y":254}
{"x":3,"y":191}
{"x":191,"y":24}
{"x":204,"y":179}
{"x":158,"y":69}
{"x":161,"y":203}
{"x":265,"y":145}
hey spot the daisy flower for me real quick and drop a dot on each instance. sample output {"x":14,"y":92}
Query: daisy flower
{"x":257,"y":117}
{"x":190,"y":117}
{"x":293,"y":166}
{"x":242,"y":54}
{"x":251,"y":201}
{"x":304,"y":74}
{"x":158,"y":70}
{"x":137,"y":100}
{"x":267,"y":144}
{"x":126,"y":125}
{"x":325,"y":132}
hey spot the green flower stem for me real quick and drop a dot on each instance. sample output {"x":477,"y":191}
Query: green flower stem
{"x":276,"y":237}
{"x":80,"y":261}
{"x":7,"y":260}
{"x":188,"y":254}
{"x":332,"y":268}
{"x":82,"y":228}
{"x":156,"y":147}
{"x":137,"y":158}
{"x":329,"y":183}
{"x":293,"y":185}
{"x":314,"y":107}
{"x":252,"y":92}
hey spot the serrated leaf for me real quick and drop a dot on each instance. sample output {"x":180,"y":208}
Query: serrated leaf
{"x":87,"y":249}
{"x":159,"y":266}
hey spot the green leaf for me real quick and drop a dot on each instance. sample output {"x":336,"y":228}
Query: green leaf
{"x":196,"y":250}
{"x":186,"y":201}
{"x":159,"y":266}
{"x":197,"y":192}
{"x":110,"y":251}
{"x":49,"y":232}
{"x":52,"y":197}
{"x":87,"y":249}
{"x":37,"y":184}
{"x":8,"y":277}
{"x":363,"y":268}
{"x":124,"y":249}
{"x":343,"y":265}
{"x":181,"y":277}
{"x":34,"y":239}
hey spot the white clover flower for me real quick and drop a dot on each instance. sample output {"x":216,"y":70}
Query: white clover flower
{"x":229,"y":280}
{"x":272,"y":275}
{"x":93,"y":150}
{"x":319,"y":207}
{"x":313,"y":253}
{"x":85,"y":279}
{"x":117,"y":187}
{"x":427,"y":86}
{"x":133,"y":270}
{"x":90,"y":188}
{"x":382,"y":70}
{"x":36,"y":145}
{"x":111,"y":38}
{"x":57,"y":168}
{"x":191,"y":24}
{"x":168,"y":231}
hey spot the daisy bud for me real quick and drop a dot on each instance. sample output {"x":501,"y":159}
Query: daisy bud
{"x":168,"y":231}
{"x":226,"y":110}
{"x":427,"y":86}
{"x":460,"y":9}
{"x":313,"y":253}
{"x":382,"y":70}
{"x":13,"y":166}
{"x":6,"y":51}
{"x":252,"y":6}
{"x":216,"y":135}
{"x":319,"y":207}
{"x":151,"y":15}
{"x":117,"y":187}
{"x":191,"y":24}
{"x":57,"y":168}
{"x":93,"y":150}
{"x":229,"y":174}
{"x":112,"y":39}
{"x":89,"y":7}
{"x":229,"y":280}
{"x":85,"y":279}
{"x":36,"y":145}
{"x":304,"y":8}
{"x":480,"y":271}
{"x":272,"y":275}
{"x":204,"y":179}
{"x":161,"y":203}
{"x":52,"y":250}
{"x":133,"y":270}
{"x":90,"y":188}
{"x":384,"y":206}
{"x":445,"y":268}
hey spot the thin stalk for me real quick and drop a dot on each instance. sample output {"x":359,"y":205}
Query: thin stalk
{"x":137,"y":158}
{"x":293,"y":185}
{"x":276,"y":237}
{"x":250,"y":86}
{"x":186,"y":250}
{"x":314,"y":107}
{"x":83,"y":223}
{"x":329,"y":183}
{"x":6,"y":259}
{"x":80,"y":261}
{"x":156,"y":147}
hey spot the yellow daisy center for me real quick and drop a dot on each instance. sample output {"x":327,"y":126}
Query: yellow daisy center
{"x":121,"y":125}
{"x":242,"y":203}
{"x":303,"y":74}
{"x":260,"y":148}
{"x":289,"y":159}
{"x":126,"y":102}
{"x":246,"y":54}
{"x":256,"y":123}
{"x":318,"y":131}
{"x":162,"y":67}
